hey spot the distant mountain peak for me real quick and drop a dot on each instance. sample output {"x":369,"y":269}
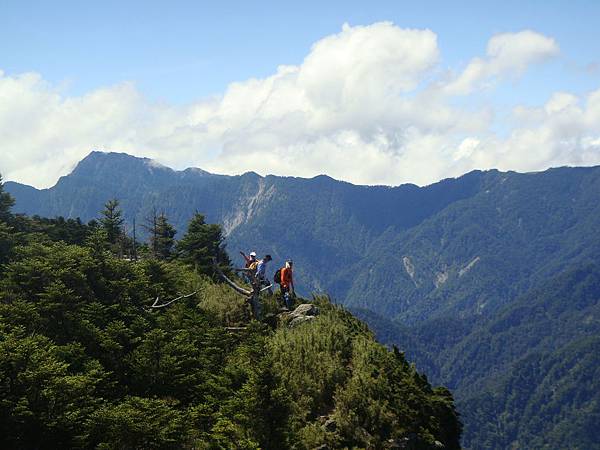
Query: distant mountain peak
{"x":96,"y":156}
{"x":101,"y":154}
{"x":98,"y":161}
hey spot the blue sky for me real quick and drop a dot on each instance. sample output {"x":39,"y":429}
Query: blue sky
{"x":180,"y":52}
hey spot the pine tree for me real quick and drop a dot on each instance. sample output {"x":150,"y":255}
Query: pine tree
{"x":201,"y":244}
{"x":163,"y":239}
{"x":112,"y":221}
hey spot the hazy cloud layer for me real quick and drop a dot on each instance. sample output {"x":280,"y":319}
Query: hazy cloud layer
{"x":368,"y":105}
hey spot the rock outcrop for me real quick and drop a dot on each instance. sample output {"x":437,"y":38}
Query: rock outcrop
{"x":303,"y":313}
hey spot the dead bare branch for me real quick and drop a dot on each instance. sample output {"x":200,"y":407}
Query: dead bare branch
{"x":156,"y":304}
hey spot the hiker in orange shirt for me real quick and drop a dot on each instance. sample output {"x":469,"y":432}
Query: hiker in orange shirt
{"x":287,"y":283}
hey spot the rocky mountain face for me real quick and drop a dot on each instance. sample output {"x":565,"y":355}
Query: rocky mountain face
{"x":442,"y":271}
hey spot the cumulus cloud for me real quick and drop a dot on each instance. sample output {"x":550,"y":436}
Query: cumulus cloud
{"x":563,"y":131}
{"x":508,"y":54}
{"x":364,"y":106}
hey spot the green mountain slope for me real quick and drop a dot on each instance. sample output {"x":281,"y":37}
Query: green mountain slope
{"x":481,"y":252}
{"x":85,"y":362}
{"x":459,"y":247}
{"x":539,"y":360}
{"x":527,"y":377}
{"x":546,"y":401}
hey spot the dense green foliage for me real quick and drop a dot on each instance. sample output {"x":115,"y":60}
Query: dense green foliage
{"x":86,"y":363}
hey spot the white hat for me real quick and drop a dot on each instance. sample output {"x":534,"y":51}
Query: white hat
{"x":252,"y":253}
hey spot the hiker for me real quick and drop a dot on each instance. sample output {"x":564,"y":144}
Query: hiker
{"x":261,"y":270}
{"x":250,"y":264}
{"x":287,"y":283}
{"x":248,"y":259}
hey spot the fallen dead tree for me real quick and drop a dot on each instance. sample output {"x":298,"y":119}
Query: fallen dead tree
{"x":252,"y":296}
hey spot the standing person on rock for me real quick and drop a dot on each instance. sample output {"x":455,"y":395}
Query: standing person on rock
{"x":287,"y":283}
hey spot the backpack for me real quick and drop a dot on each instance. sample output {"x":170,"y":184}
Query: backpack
{"x":253,"y":265}
{"x":277,"y":276}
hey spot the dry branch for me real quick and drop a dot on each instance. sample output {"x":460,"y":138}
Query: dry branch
{"x":155,"y":305}
{"x":237,"y":288}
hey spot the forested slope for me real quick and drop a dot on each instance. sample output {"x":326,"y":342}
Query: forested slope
{"x":482,"y":252}
{"x":85,"y":362}
{"x":526,"y":377}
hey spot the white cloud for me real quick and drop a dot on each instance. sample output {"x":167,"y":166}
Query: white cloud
{"x":507,"y":54}
{"x":564,"y":131}
{"x":560,"y":101}
{"x":466,"y":148}
{"x":363,"y":106}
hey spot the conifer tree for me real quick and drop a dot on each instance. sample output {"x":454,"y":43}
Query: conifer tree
{"x":201,"y":243}
{"x":112,"y":221}
{"x":163,"y":239}
{"x":151,"y":227}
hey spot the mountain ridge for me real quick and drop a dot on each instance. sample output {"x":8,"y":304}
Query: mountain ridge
{"x":243,"y":203}
{"x":318,"y":221}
